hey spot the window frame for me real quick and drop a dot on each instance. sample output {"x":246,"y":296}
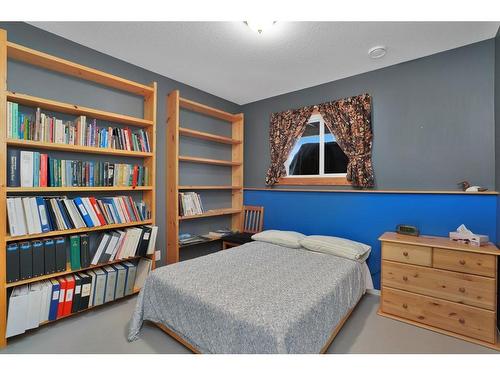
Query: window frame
{"x":321,"y":178}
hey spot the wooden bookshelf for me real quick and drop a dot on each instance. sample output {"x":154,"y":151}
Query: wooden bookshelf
{"x":67,"y":272}
{"x":78,"y":149}
{"x":192,"y":159}
{"x":66,"y":232}
{"x":51,"y":189}
{"x":174,"y":161}
{"x":147,"y":122}
{"x":73,"y":109}
{"x":209,"y":213}
{"x":209,"y":187}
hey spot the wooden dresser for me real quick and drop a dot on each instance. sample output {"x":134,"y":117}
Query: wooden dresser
{"x":441,"y":285}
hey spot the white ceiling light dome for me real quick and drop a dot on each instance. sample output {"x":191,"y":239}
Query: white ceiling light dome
{"x":259,"y":26}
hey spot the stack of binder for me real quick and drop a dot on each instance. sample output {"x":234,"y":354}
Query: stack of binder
{"x":36,"y":303}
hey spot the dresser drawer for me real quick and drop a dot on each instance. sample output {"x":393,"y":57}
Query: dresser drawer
{"x":471,"y":290}
{"x":468,"y":321}
{"x":463,"y":261}
{"x":412,"y":254}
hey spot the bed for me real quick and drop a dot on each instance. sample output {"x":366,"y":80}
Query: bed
{"x":255,"y":298}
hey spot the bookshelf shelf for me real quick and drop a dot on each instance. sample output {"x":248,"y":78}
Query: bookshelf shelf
{"x":67,"y":272}
{"x":78,"y":149}
{"x":49,"y":62}
{"x":207,"y":240}
{"x":219,"y":212}
{"x":53,"y":233}
{"x":192,"y":159}
{"x":76,"y":189}
{"x":209,"y":187}
{"x":206,"y":110}
{"x":208,"y":136}
{"x":74,"y":109}
{"x":174,"y":161}
{"x":147,"y":93}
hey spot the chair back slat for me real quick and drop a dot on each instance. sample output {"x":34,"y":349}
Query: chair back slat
{"x":253,"y":219}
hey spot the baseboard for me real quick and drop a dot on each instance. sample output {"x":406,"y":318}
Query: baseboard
{"x":375,"y":292}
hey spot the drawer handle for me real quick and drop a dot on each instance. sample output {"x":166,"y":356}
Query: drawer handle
{"x":405,"y":306}
{"x":461,"y":321}
{"x":461,"y":290}
{"x":462,"y":262}
{"x":405,"y":253}
{"x":405,"y":278}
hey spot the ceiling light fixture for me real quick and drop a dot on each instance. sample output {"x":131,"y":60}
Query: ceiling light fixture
{"x":377,"y":52}
{"x":260,"y":26}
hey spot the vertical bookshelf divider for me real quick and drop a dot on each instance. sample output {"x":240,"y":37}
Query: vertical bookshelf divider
{"x":174,"y":103}
{"x":45,"y":61}
{"x":3,"y":187}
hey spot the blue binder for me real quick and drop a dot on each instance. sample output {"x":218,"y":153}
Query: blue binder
{"x":85,"y":215}
{"x":42,"y":212}
{"x":54,"y":300}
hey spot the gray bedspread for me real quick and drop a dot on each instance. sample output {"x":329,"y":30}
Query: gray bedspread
{"x":255,"y":298}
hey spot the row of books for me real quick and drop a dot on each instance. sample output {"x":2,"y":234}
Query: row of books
{"x":190,"y":204}
{"x":29,"y":259}
{"x":33,"y":304}
{"x":45,"y":128}
{"x":191,"y":239}
{"x":33,"y":169}
{"x":33,"y":215}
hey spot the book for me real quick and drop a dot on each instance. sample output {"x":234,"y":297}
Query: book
{"x":13,"y":272}
{"x":13,"y":168}
{"x":143,"y":269}
{"x":26,"y":168}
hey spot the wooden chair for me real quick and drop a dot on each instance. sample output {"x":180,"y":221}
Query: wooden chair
{"x":253,"y":221}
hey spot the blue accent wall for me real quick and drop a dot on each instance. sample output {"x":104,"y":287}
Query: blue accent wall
{"x":364,"y":217}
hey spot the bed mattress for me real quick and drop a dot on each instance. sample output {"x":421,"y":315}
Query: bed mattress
{"x":255,"y":298}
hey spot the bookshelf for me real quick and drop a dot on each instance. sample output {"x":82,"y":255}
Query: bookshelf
{"x":9,"y":50}
{"x":174,"y":160}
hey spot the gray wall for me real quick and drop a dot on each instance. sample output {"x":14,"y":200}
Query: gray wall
{"x":31,"y":80}
{"x":433,"y":120}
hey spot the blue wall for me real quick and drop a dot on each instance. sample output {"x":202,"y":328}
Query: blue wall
{"x":364,"y":217}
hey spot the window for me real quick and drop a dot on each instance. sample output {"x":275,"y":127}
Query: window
{"x":316,"y":158}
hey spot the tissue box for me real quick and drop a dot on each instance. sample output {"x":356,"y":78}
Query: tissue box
{"x":472,"y":239}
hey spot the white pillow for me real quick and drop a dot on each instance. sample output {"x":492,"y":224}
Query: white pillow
{"x":341,"y":247}
{"x":280,"y":237}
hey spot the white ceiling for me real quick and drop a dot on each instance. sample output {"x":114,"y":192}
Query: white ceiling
{"x":229,"y":60}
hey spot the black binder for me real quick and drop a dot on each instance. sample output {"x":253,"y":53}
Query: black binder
{"x":77,"y":294}
{"x":12,"y":262}
{"x":84,"y":251}
{"x":143,"y":244}
{"x":38,"y":258}
{"x":25,"y":261}
{"x":61,"y":258}
{"x":49,"y":256}
{"x":86,"y":281}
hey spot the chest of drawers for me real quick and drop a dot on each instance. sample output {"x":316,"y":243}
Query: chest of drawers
{"x":441,"y":285}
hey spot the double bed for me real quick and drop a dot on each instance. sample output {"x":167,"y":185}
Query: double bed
{"x":255,"y":298}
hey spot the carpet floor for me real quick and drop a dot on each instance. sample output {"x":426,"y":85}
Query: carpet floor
{"x":103,"y":330}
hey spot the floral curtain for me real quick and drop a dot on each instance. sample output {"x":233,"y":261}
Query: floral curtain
{"x":285,"y":128}
{"x":348,"y":119}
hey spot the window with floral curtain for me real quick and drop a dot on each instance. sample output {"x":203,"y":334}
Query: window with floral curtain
{"x":349,"y":122}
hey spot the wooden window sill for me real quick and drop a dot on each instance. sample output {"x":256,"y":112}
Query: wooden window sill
{"x":313,"y":181}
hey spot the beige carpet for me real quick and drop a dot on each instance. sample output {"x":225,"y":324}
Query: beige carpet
{"x":103,"y":330}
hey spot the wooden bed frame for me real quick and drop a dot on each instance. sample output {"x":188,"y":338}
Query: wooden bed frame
{"x":325,"y":347}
